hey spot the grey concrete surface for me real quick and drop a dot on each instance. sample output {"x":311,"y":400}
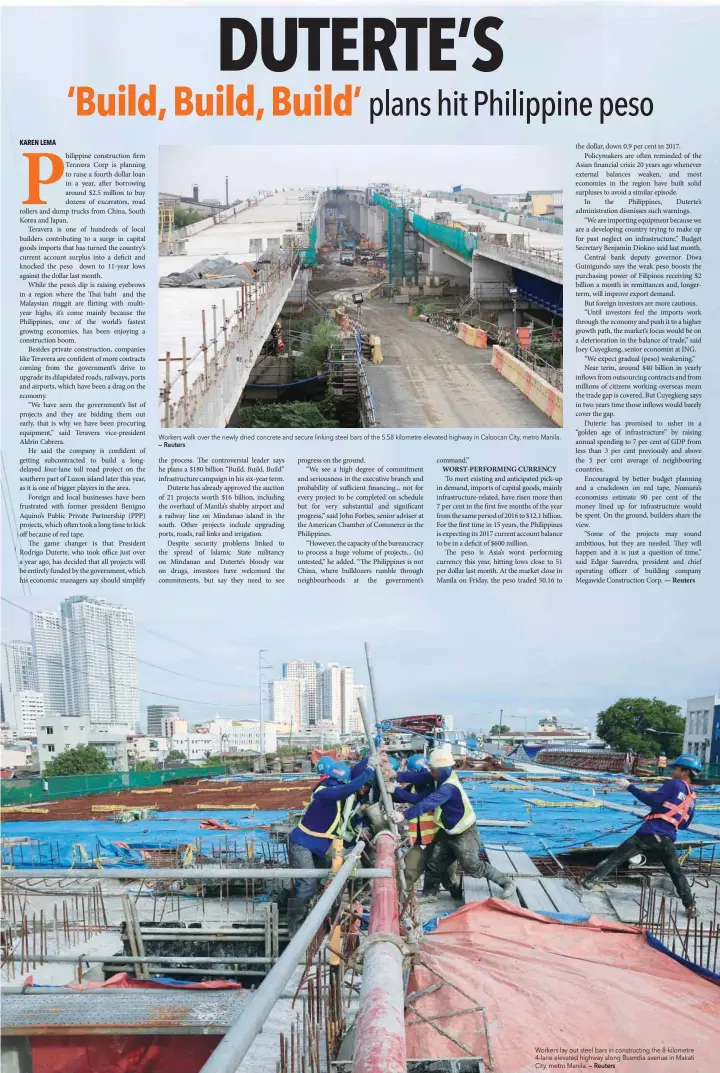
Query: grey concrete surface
{"x":430,"y":379}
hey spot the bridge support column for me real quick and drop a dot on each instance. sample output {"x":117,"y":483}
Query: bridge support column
{"x":486,"y":271}
{"x":442,"y":264}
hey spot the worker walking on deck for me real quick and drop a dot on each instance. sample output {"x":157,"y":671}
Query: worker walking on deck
{"x":311,"y":839}
{"x":457,"y":838}
{"x":672,"y":808}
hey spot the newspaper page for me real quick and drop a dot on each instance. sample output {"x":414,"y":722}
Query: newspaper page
{"x":357,"y":619}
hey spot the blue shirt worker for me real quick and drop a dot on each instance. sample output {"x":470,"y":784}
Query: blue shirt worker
{"x":322,"y":820}
{"x":671,"y":810}
{"x":457,"y":839}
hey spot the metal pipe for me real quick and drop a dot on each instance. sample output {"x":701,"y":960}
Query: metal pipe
{"x":228,"y":1055}
{"x":121,"y":959}
{"x":190,"y":874}
{"x":380,"y":1023}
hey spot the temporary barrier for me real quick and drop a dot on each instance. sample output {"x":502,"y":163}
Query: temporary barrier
{"x":55,"y":787}
{"x":476,"y":337}
{"x":521,"y":990}
{"x":542,"y":394}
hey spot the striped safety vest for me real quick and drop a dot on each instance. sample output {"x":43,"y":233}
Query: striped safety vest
{"x":333,"y":826}
{"x":675,"y":814}
{"x":426,"y":826}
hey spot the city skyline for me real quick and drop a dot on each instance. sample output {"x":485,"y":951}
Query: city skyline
{"x":529,"y":654}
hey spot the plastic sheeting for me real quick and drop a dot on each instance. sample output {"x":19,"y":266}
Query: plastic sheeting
{"x":82,"y":843}
{"x":121,"y":1054}
{"x":567,"y":988}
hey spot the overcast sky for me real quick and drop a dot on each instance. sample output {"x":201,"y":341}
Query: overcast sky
{"x":498,"y":169}
{"x":469,"y":656}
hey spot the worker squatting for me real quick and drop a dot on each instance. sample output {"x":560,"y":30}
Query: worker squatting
{"x":438,"y":825}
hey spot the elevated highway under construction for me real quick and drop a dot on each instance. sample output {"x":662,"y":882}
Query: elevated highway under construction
{"x":462,"y":307}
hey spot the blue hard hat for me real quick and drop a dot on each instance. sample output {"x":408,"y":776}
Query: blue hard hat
{"x":417,"y":763}
{"x":393,"y":763}
{"x":688,"y":760}
{"x":338,"y":769}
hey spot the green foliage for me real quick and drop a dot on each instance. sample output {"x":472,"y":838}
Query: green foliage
{"x":185,"y":217}
{"x":174,"y":754}
{"x":324,"y":335}
{"x":84,"y":760}
{"x":499,"y":728}
{"x":144,"y":765}
{"x":288,"y":415}
{"x":625,"y":725}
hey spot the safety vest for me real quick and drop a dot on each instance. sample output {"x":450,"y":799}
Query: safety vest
{"x":350,"y":810}
{"x":662,"y":761}
{"x":467,"y":819}
{"x":675,"y":814}
{"x":427,"y":826}
{"x":333,"y":826}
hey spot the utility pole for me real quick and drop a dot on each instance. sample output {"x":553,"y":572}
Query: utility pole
{"x":227,"y":196}
{"x":262,"y":667}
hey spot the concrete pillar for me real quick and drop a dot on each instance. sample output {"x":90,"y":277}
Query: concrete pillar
{"x":486,"y":271}
{"x":442,"y":264}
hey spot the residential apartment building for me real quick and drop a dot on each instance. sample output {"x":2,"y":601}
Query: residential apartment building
{"x":337,"y":699}
{"x":288,"y":701}
{"x":46,"y":634}
{"x":25,"y":712}
{"x":58,"y":733}
{"x":307,"y":671}
{"x":18,"y":675}
{"x":100,"y":661}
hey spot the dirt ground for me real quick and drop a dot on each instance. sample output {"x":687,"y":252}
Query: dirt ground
{"x":430,"y":379}
{"x":178,"y":797}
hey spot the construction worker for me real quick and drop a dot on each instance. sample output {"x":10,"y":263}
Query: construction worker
{"x":423,"y":829}
{"x":458,"y":838}
{"x":662,"y":762}
{"x":672,"y":808}
{"x":311,"y":839}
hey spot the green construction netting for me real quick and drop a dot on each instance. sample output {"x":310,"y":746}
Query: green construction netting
{"x":310,"y":254}
{"x":455,"y":238}
{"x":384,"y":202}
{"x":22,"y":791}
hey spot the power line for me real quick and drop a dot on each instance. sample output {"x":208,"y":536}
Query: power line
{"x":146,"y":663}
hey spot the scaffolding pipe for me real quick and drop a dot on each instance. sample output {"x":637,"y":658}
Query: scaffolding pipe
{"x":190,"y":874}
{"x":154,"y":959}
{"x":237,"y":1041}
{"x":380,"y":1023}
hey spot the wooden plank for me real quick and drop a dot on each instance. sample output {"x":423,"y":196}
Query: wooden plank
{"x":532,"y":896}
{"x":499,"y":859}
{"x":475,"y":890}
{"x":521,"y":862}
{"x":564,"y":899}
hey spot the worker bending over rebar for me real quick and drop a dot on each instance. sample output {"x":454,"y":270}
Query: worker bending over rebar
{"x":440,"y":791}
{"x":311,"y":839}
{"x":672,"y":808}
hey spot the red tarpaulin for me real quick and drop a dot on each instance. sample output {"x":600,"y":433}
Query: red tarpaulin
{"x":165,"y":1053}
{"x":566,"y":988}
{"x":317,"y":753}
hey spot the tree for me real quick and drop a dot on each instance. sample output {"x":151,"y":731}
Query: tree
{"x":144,"y":765}
{"x":499,"y":728}
{"x":643,"y":725}
{"x":174,"y":755}
{"x":83,"y":760}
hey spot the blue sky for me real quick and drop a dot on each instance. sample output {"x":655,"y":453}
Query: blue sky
{"x":468,"y":655}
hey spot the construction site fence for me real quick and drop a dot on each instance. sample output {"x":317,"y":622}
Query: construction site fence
{"x":309,"y":256}
{"x":454,"y":238}
{"x":56,"y":787}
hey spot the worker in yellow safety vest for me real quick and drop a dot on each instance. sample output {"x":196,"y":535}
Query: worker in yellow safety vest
{"x":423,"y":828}
{"x":457,"y":838}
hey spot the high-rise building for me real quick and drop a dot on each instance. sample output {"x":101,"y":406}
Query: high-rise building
{"x":359,"y":694}
{"x":336,"y":697}
{"x":287,"y":700}
{"x":307,"y":671}
{"x":100,"y":660}
{"x":26,"y":711}
{"x":48,"y":652}
{"x":18,"y":674}
{"x":156,"y":716}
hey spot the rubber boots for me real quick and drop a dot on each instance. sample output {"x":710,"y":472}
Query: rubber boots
{"x":505,"y":882}
{"x":296,"y":913}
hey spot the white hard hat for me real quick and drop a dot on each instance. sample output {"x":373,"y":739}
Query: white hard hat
{"x":441,"y":758}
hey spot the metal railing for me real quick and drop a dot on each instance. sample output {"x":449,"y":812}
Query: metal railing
{"x":216,"y":361}
{"x":534,"y":257}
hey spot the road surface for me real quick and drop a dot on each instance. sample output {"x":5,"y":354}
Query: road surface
{"x":430,"y":379}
